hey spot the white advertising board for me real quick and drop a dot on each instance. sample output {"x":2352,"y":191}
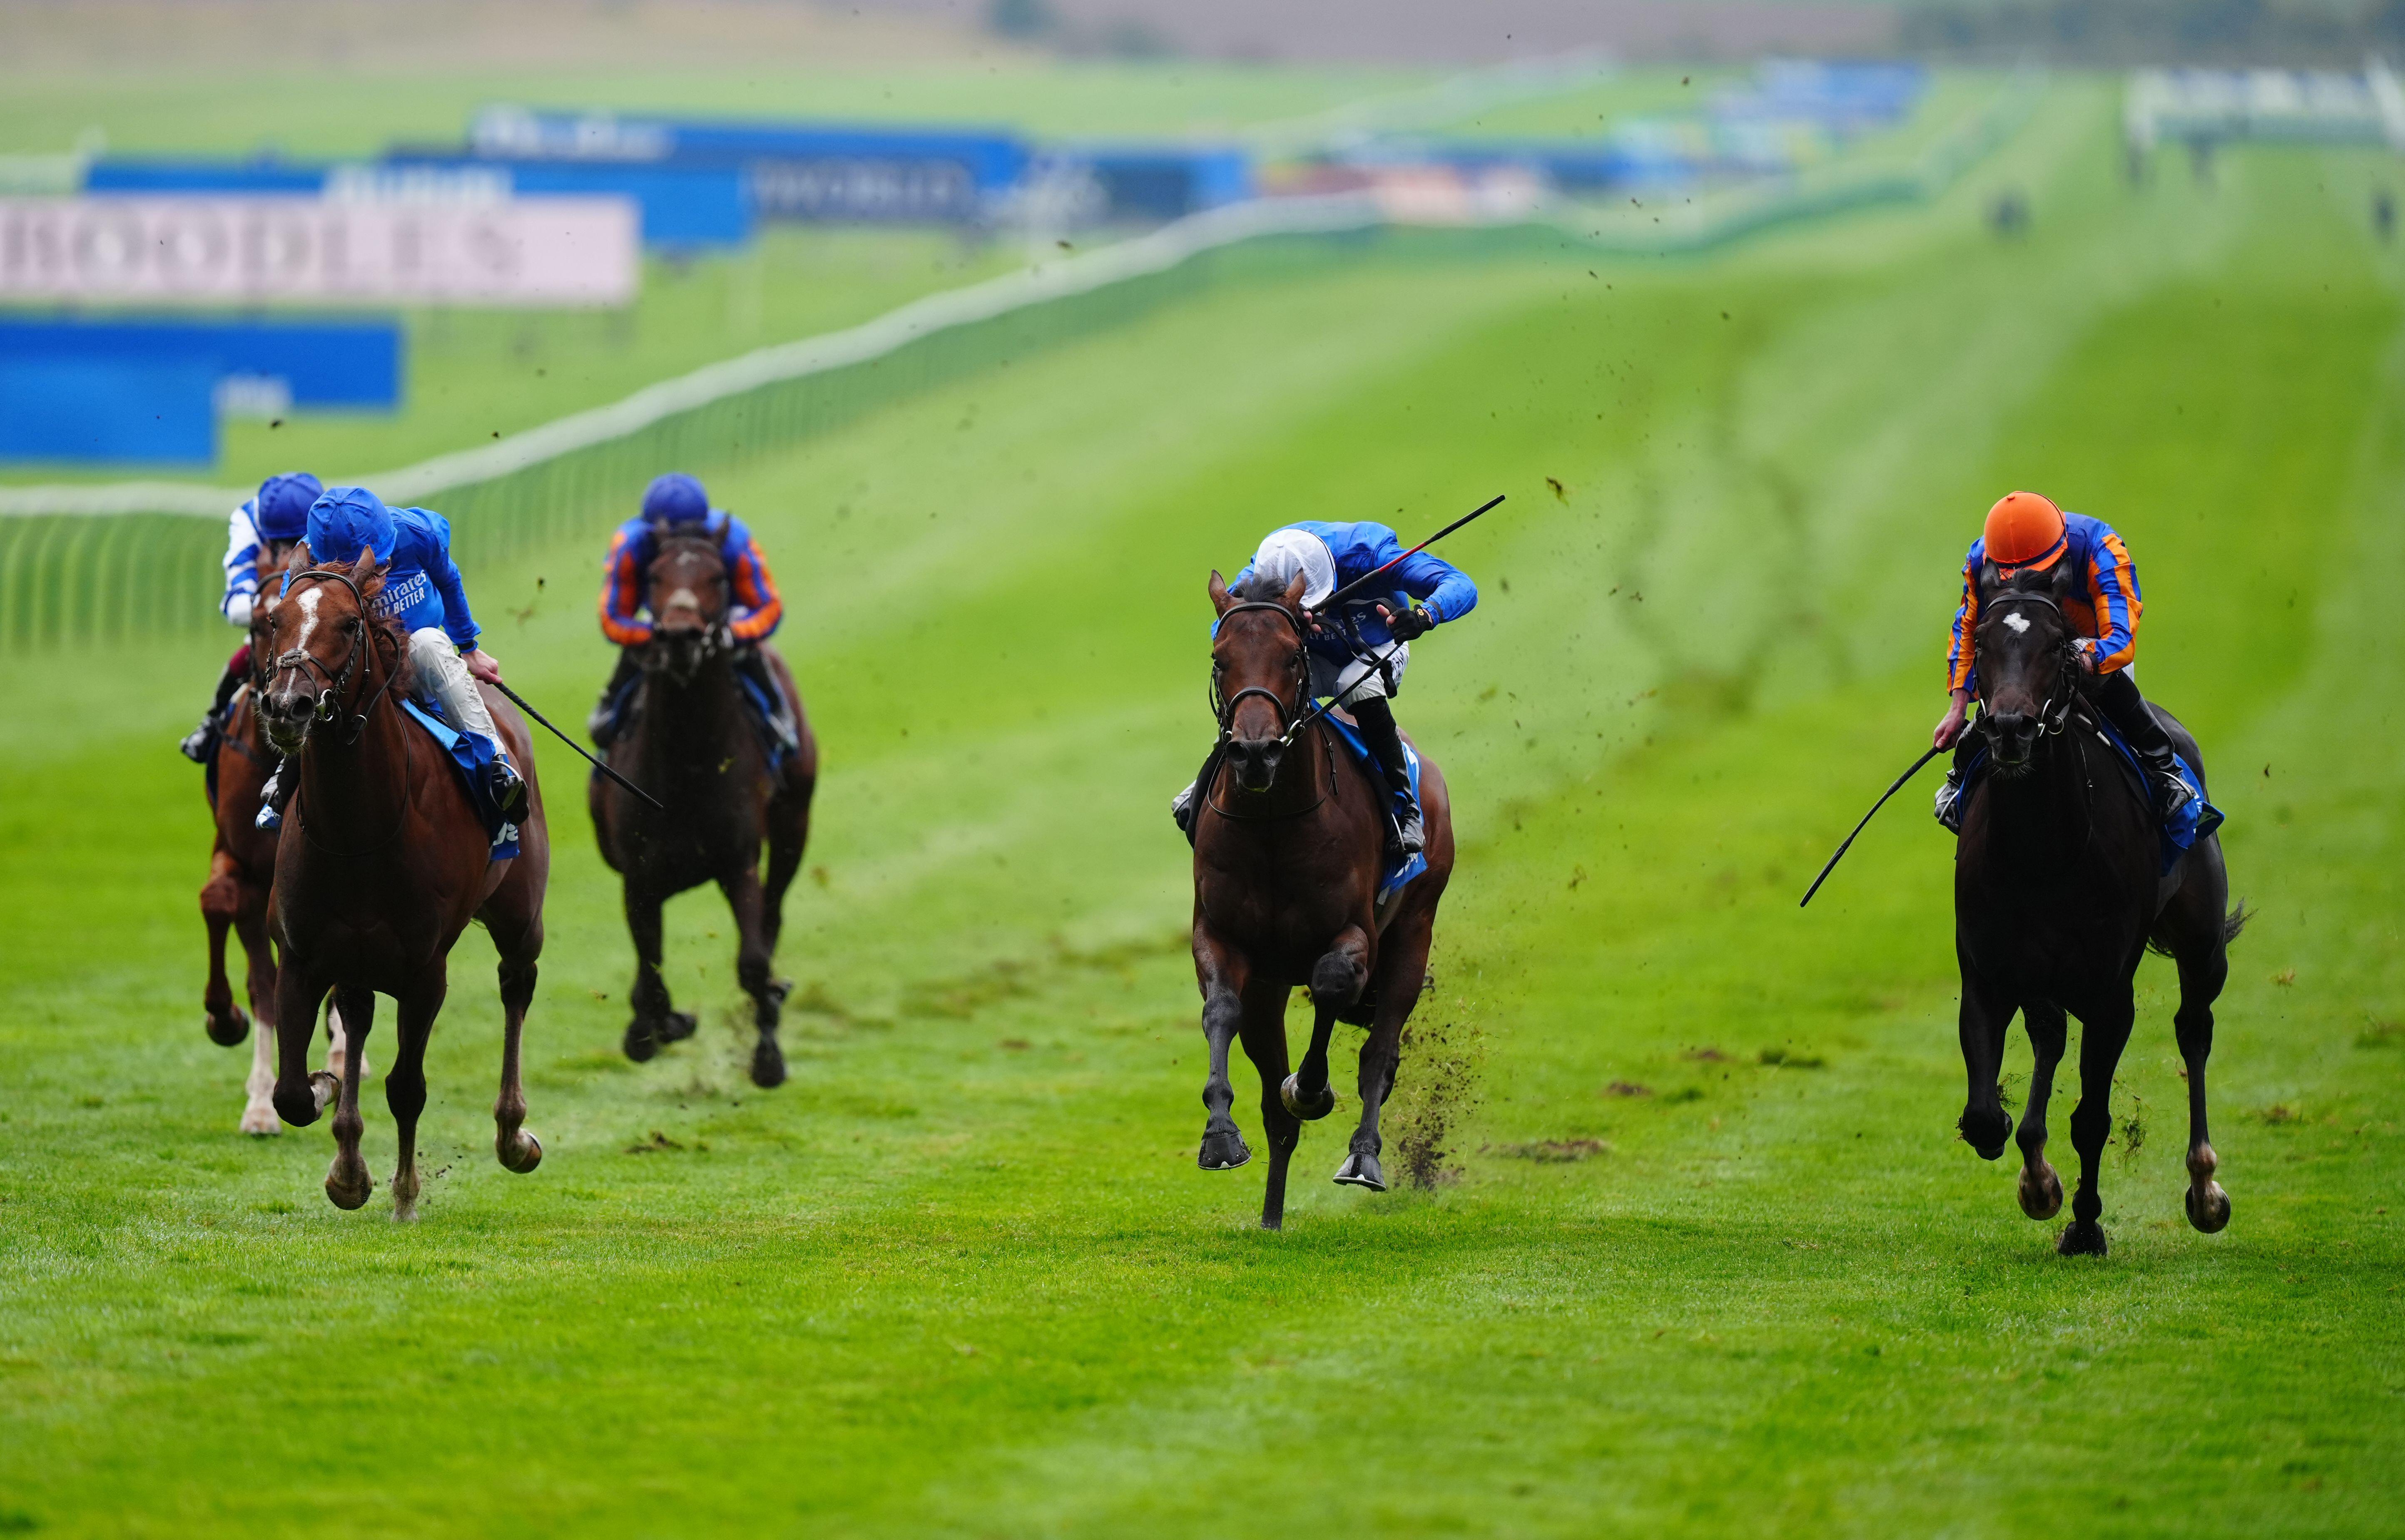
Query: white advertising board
{"x":210,"y":248}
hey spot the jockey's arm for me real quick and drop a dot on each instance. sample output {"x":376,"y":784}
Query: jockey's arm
{"x":755,"y":592}
{"x":2113,"y":590}
{"x":1961,"y":656}
{"x":1440,"y":588}
{"x":459,"y":622}
{"x":240,"y":566}
{"x":622,"y":594}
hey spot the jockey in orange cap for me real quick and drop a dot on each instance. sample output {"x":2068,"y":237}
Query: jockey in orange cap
{"x":2026,"y":532}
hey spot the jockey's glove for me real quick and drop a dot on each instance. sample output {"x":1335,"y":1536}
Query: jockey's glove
{"x":1413,"y":622}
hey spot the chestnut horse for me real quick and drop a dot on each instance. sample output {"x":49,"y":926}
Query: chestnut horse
{"x":241,"y":868}
{"x":693,"y":745}
{"x":383,"y":862}
{"x":2058,"y":890}
{"x":1286,"y":859}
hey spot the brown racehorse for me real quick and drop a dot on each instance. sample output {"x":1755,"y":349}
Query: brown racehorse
{"x":383,"y":862}
{"x":242,"y":869}
{"x":692,"y":745}
{"x":2058,"y":891}
{"x":1287,"y":855}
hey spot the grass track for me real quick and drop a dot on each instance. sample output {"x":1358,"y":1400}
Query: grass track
{"x":941,"y":1284}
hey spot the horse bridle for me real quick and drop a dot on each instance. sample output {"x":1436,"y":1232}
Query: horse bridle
{"x":338,"y":683}
{"x":714,"y":637}
{"x":2054,"y":714}
{"x":1224,"y":707}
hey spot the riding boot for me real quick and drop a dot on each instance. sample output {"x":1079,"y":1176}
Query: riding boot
{"x":200,"y":744}
{"x":442,"y":675}
{"x":2117,"y":695}
{"x":274,"y":796}
{"x":610,"y":711}
{"x":1185,"y":809}
{"x":1950,"y":796}
{"x":752,"y":664}
{"x":1376,"y":720}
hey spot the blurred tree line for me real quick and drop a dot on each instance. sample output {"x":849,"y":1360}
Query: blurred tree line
{"x":2114,"y":33}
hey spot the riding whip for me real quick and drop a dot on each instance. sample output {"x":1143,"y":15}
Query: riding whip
{"x":1331,"y":600}
{"x":1934,"y":753}
{"x":527,"y":708}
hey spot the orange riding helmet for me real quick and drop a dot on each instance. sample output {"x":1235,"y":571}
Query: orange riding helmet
{"x":2025,"y":531}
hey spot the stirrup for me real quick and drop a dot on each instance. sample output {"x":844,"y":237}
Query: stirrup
{"x":2172,"y":793}
{"x":509,"y":789}
{"x":200,"y":740}
{"x":1411,"y":836}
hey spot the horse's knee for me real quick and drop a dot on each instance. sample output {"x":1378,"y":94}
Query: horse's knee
{"x":1223,"y":1013}
{"x":2091,"y":1127}
{"x":1338,"y":978}
{"x":296,"y":1103}
{"x":221,"y":899}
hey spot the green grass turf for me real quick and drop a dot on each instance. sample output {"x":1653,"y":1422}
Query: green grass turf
{"x":960,"y":1276}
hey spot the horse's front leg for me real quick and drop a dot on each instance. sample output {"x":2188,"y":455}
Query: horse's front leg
{"x":1221,"y":971}
{"x":258,"y":981}
{"x":404,"y":1086}
{"x":656,"y":1020}
{"x":299,"y":1095}
{"x":2040,"y":1188}
{"x":220,"y":907}
{"x":2102,"y":1038}
{"x":1986,"y":1013}
{"x":347,"y":1181}
{"x":1336,"y":982}
{"x":751,"y":968}
{"x":1264,"y":1034}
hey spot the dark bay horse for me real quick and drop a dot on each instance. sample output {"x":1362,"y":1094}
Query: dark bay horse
{"x":242,"y":869}
{"x":382,"y":863}
{"x":693,"y":745}
{"x":2056,"y":894}
{"x":1287,"y":851}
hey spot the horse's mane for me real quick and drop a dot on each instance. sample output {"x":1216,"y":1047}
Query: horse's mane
{"x":370,"y":584}
{"x":1260,"y":588}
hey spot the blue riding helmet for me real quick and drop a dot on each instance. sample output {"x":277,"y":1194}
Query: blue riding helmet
{"x":283,"y":504}
{"x":675,"y":498}
{"x":347,"y":520}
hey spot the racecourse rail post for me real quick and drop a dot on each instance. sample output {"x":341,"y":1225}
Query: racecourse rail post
{"x":527,"y":707}
{"x":1935,"y":750}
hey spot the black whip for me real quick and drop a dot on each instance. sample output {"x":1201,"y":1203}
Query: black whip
{"x":1934,"y":751}
{"x":528,"y":708}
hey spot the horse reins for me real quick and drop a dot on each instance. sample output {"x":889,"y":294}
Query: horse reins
{"x":1293,"y":719}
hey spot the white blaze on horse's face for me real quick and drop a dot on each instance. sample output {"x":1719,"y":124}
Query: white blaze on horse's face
{"x":2016,"y":621}
{"x":307,"y":599}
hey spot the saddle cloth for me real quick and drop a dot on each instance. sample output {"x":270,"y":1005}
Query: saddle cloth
{"x":1392,"y":877}
{"x":2196,"y":819}
{"x":472,"y":757}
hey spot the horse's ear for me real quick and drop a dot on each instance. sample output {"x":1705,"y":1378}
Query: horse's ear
{"x":367,"y":575}
{"x":298,"y":559}
{"x":2062,"y":581}
{"x":1294,"y":592}
{"x":1220,"y":600}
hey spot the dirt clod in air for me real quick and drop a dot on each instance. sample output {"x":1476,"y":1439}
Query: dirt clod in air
{"x":1436,"y":1089}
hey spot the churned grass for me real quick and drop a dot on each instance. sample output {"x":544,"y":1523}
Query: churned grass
{"x":1704,"y":1255}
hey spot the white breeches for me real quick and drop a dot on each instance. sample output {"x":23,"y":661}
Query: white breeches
{"x":444,"y":677}
{"x":1356,"y":680}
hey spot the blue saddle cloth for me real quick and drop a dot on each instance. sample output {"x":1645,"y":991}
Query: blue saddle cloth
{"x":473,"y":757}
{"x":1392,"y":878}
{"x":2197,"y":818}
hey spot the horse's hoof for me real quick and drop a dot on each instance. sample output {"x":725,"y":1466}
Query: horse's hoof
{"x":1309,"y":1109}
{"x":348,"y":1189}
{"x":404,"y":1210}
{"x":1995,"y":1152}
{"x":2080,"y":1237}
{"x":1223,"y":1152}
{"x":640,"y":1045}
{"x":526,"y":1156}
{"x":2041,"y":1194}
{"x":259,"y":1119}
{"x":676,"y":1026}
{"x":767,"y":1065}
{"x":2208,"y":1207}
{"x":228,"y":1031}
{"x":1361,"y":1170}
{"x":325,"y":1090}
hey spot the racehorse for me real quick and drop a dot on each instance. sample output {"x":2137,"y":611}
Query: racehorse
{"x":692,"y":744}
{"x":2056,"y":894}
{"x":241,"y":868}
{"x":1286,"y":860}
{"x":382,"y":863}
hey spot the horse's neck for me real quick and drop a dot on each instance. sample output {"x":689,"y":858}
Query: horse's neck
{"x":677,"y":717}
{"x":2043,"y":819}
{"x":352,"y":793}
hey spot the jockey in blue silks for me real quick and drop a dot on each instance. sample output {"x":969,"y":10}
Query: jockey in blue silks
{"x":1357,"y":656}
{"x":263,"y":527}
{"x":422,"y":590}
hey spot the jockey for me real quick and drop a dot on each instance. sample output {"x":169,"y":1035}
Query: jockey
{"x":264,"y":525}
{"x":423,"y":590}
{"x":2028,"y":533}
{"x":1417,"y":594}
{"x":675,"y":504}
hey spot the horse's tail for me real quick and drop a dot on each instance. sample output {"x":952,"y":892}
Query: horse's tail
{"x":2236,"y":922}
